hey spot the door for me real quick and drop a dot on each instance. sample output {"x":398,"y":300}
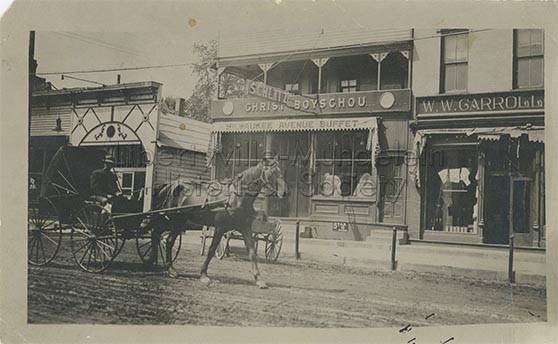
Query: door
{"x":496,"y":210}
{"x":520,"y":203}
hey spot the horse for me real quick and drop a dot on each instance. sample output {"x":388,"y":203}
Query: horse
{"x":237,"y":214}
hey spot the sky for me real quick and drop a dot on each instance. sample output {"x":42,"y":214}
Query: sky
{"x":171,"y":41}
{"x":78,"y":51}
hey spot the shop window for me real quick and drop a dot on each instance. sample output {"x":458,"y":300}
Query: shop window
{"x":348,"y":86}
{"x":528,"y":58}
{"x":521,"y":206}
{"x":343,"y":164}
{"x":455,"y":55}
{"x":239,"y":151}
{"x":452,"y":190}
{"x":391,"y":172}
{"x":292,"y":88}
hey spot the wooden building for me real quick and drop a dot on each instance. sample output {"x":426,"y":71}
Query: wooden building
{"x":149,"y":147}
{"x":335,"y":108}
{"x":479,"y":137}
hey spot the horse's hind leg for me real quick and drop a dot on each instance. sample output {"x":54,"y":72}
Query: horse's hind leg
{"x":250,"y":245}
{"x":217,"y":235}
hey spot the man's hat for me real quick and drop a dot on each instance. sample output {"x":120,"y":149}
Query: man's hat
{"x":269,"y":155}
{"x":108,"y":159}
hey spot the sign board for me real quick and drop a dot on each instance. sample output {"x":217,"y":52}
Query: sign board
{"x":525,"y":101}
{"x":340,"y":226}
{"x":270,"y":102}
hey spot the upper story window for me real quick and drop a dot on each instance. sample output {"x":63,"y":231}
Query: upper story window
{"x":348,"y":85}
{"x":455,"y":56}
{"x":292,"y":88}
{"x":528,"y":58}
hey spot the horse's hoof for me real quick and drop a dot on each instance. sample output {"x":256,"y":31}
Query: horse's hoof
{"x":204,"y":279}
{"x":172,"y":273}
{"x":261,"y":284}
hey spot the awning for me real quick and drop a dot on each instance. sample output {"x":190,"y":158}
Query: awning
{"x":290,"y":125}
{"x":349,"y":123}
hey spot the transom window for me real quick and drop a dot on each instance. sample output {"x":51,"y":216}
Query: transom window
{"x":348,"y":86}
{"x":455,"y":55}
{"x":528,"y":58}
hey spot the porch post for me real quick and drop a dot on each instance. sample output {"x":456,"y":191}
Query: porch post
{"x":265,"y":67}
{"x":480,"y":195}
{"x":320,"y":63}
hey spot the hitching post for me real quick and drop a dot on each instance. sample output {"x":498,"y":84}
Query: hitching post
{"x":511,"y":273}
{"x":393,"y":247}
{"x":297,"y":253}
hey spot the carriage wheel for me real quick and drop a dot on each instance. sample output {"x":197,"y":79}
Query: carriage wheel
{"x":94,"y":240}
{"x":273,"y":243}
{"x":223,"y":247}
{"x":143,"y":246}
{"x":205,"y":233}
{"x":44,"y":232}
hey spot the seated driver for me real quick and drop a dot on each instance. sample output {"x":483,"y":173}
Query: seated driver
{"x":104,"y":183}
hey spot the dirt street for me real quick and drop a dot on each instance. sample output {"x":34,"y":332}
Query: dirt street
{"x":301,"y":293}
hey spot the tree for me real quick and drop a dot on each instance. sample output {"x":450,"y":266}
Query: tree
{"x":197,"y":105}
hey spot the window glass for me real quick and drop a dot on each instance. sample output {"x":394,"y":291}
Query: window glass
{"x":461,"y":76}
{"x":342,"y":162}
{"x":452,"y":191}
{"x":349,"y":85}
{"x":529,"y":60}
{"x":536,"y":71}
{"x":455,"y":58}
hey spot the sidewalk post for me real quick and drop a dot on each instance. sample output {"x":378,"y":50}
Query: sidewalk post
{"x":297,"y":233}
{"x":393,"y":247}
{"x":511,"y":273}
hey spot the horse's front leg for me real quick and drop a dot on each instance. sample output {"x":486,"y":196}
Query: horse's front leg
{"x":217,"y":235}
{"x":250,"y":245}
{"x":171,"y":238}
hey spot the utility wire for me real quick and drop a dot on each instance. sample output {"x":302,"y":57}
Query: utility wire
{"x":113,"y":69}
{"x":278,"y":62}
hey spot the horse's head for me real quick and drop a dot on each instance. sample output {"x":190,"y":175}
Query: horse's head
{"x":274,"y":183}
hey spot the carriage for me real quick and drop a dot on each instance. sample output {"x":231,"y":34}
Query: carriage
{"x":66,"y":212}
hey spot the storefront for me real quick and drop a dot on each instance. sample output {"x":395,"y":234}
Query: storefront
{"x":342,"y":160}
{"x":481,"y":169}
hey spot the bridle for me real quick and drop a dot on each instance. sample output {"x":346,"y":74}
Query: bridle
{"x":263,"y":179}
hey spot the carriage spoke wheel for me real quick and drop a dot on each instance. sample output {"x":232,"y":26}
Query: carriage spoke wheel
{"x":94,"y":240}
{"x":44,"y":232}
{"x":273,"y":243}
{"x":223,"y":247}
{"x":144,"y":242}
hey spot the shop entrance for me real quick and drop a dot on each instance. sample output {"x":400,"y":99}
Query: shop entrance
{"x":507,"y":207}
{"x":497,"y":209}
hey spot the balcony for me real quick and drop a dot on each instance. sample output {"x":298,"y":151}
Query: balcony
{"x":363,"y":83}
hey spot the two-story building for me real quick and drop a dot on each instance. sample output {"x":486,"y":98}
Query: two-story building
{"x":335,"y":108}
{"x":479,"y":136}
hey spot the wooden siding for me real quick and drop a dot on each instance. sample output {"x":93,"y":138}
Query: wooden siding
{"x":43,"y":121}
{"x":184,"y":133}
{"x":172,"y":164}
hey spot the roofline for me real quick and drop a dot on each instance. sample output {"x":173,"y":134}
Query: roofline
{"x":291,"y":55}
{"x":108,"y":88}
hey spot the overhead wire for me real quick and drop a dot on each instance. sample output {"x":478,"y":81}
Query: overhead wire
{"x":188,"y":64}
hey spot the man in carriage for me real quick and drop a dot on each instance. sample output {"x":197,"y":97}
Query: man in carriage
{"x":104,"y":184}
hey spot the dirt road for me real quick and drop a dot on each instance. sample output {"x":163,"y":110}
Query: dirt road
{"x":301,"y":293}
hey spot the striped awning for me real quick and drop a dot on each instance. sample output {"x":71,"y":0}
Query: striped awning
{"x":312,"y":124}
{"x":289,"y":125}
